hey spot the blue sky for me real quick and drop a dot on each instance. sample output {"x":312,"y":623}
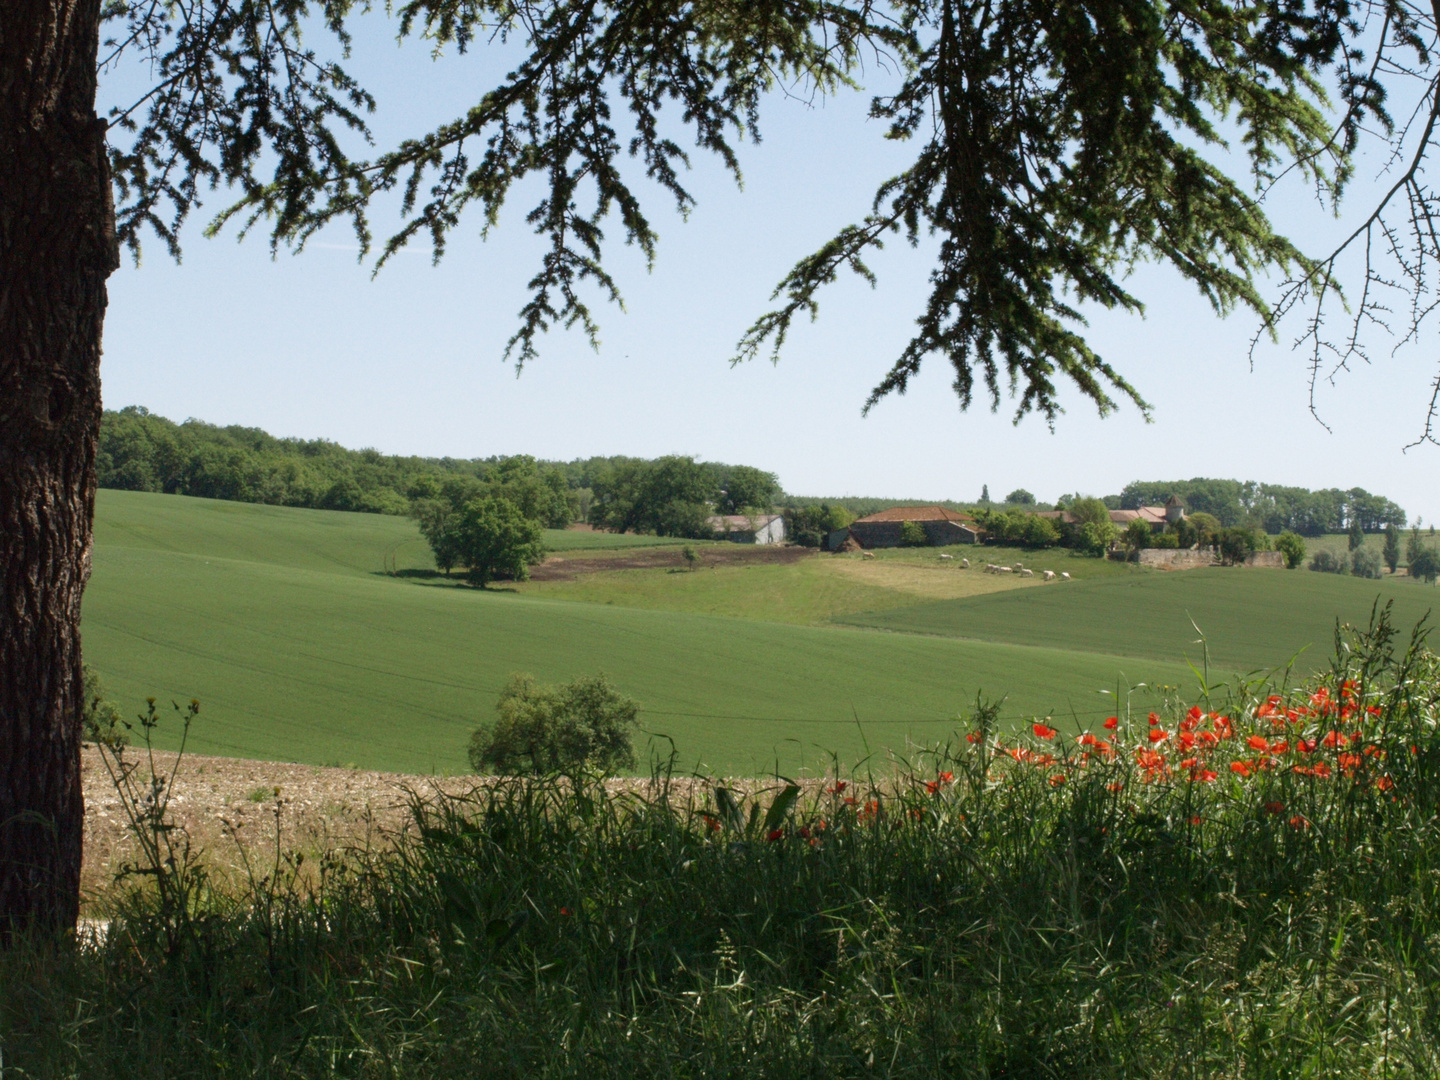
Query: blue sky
{"x":410,"y":362}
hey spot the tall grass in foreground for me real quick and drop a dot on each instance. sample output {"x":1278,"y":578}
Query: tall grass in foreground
{"x":1241,"y":886}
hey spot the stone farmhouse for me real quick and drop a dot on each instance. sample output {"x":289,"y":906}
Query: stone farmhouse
{"x":886,"y":529}
{"x":1157,"y":517}
{"x":749,"y":528}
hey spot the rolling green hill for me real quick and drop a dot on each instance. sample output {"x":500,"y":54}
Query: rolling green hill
{"x":1251,"y":618}
{"x":281,"y":622}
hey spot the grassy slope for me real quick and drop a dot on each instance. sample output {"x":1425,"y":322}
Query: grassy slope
{"x":1252,"y":618}
{"x":278,"y":621}
{"x":821,"y":588}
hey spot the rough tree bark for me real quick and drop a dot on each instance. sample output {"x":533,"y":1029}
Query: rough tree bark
{"x":57,"y":248}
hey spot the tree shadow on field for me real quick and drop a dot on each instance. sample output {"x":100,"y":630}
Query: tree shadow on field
{"x":436,"y":579}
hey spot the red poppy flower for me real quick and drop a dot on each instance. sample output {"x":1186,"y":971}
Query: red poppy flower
{"x":1279,"y":747}
{"x":1306,"y":746}
{"x":1258,"y":742}
{"x":566,"y":911}
{"x":775,"y":834}
{"x":1111,"y":723}
{"x":1240,"y":767}
{"x":1195,"y":713}
{"x":974,"y":737}
{"x":1187,"y":739}
{"x":1384,"y":783}
{"x":932,"y":786}
{"x":840,"y":785}
{"x":1299,"y":822}
{"x":1158,"y":735}
{"x":1057,"y":779}
{"x":1333,"y":739}
{"x":1196,"y":819}
{"x":1154,"y":719}
{"x":947,"y":778}
{"x":712,"y":823}
{"x":1209,"y":738}
{"x":1117,"y":786}
{"x":1190,"y":763}
{"x":1274,"y":808}
{"x":1043,"y":731}
{"x":1205,"y":776}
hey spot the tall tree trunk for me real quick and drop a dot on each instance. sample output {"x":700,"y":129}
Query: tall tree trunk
{"x":57,"y":247}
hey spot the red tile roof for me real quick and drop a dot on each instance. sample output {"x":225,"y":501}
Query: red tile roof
{"x":916,"y":513}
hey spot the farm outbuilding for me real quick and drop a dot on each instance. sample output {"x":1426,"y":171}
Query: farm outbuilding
{"x":749,"y":528}
{"x":942,"y":527}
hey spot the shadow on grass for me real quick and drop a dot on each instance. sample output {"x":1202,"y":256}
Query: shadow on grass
{"x":440,"y":580}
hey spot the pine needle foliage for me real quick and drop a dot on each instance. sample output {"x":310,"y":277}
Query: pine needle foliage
{"x":1055,"y":147}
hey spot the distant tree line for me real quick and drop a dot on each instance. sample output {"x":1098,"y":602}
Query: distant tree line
{"x":140,"y":451}
{"x":1275,"y":508}
{"x":672,"y":496}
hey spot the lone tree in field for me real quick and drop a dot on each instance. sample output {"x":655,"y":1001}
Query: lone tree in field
{"x":1055,"y":147}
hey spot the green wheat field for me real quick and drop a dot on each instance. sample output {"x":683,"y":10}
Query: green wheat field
{"x":299,"y":644}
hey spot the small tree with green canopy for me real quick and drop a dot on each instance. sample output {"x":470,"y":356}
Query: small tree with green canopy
{"x":1039,"y":532}
{"x":1020,"y":497}
{"x":493,"y":539}
{"x":1356,"y":537}
{"x":912,"y":534}
{"x":1391,"y":551}
{"x":1292,"y":547}
{"x":584,"y":724}
{"x":1096,"y":537}
{"x":1136,"y":537}
{"x":744,"y":487}
{"x":1365,"y":563}
{"x":1425,"y":565}
{"x":1207,"y":529}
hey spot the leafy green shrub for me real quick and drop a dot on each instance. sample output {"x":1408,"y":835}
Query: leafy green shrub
{"x":1168,"y":540}
{"x":100,"y":722}
{"x":1425,"y":564}
{"x":1365,"y":563}
{"x":1292,"y":546}
{"x":912,"y":534}
{"x":1039,"y":532}
{"x":1137,"y":536}
{"x":1095,"y":537}
{"x":585,"y":724}
{"x":1236,"y":544}
{"x":1207,"y":529}
{"x":808,"y":526}
{"x":1327,"y":562}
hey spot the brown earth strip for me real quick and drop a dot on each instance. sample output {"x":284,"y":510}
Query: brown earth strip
{"x":569,"y":567}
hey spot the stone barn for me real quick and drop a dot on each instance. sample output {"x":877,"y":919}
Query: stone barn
{"x":942,"y":527}
{"x":749,"y":528}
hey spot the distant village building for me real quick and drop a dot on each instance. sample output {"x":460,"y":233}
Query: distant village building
{"x":749,"y":528}
{"x":1157,"y":517}
{"x":942,"y":527}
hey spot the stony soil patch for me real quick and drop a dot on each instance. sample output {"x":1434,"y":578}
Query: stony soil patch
{"x":230,"y":806}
